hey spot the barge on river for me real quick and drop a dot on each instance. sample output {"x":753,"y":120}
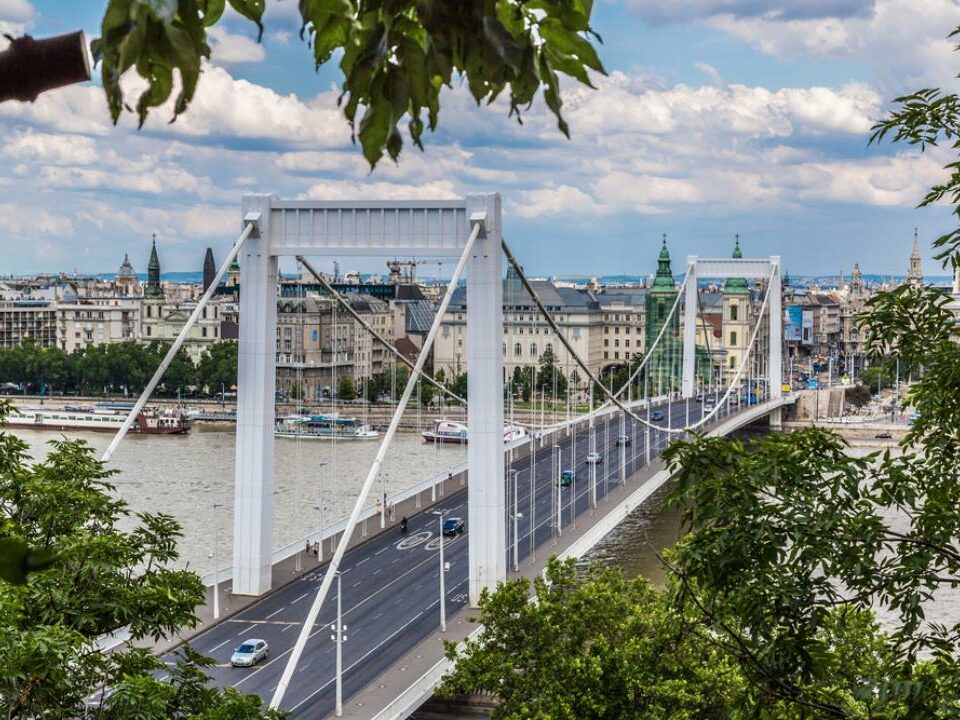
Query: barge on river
{"x":150,"y":421}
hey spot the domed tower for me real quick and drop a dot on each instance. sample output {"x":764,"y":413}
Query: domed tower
{"x":127,"y":278}
{"x":736,"y":317}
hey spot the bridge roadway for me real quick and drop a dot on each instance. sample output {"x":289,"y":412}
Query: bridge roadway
{"x":390,"y":584}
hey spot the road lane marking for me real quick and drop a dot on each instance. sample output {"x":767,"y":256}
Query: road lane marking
{"x":214,"y":649}
{"x":299,"y":598}
{"x":274,"y":613}
{"x":244,"y":632}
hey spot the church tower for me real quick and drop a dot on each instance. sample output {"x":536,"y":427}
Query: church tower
{"x":209,"y":269}
{"x":915,"y":273}
{"x":663,"y":367}
{"x":153,"y":289}
{"x":736,"y":317}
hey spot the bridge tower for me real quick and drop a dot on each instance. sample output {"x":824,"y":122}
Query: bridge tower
{"x":367,"y":228}
{"x":738,"y":268}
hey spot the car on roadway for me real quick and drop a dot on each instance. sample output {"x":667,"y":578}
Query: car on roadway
{"x":657,"y":415}
{"x":566,"y":478}
{"x":883,"y":436}
{"x":249,"y":653}
{"x":453,"y":526}
{"x":623,"y":440}
{"x":594,"y":458}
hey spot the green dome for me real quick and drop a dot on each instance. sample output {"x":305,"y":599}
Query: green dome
{"x":736,"y":286}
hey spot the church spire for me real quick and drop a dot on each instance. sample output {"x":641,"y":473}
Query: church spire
{"x":915,"y":273}
{"x":153,"y":289}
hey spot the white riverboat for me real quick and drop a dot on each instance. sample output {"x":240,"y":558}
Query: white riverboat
{"x":456,"y":433}
{"x":102,"y":418}
{"x":323,"y":427}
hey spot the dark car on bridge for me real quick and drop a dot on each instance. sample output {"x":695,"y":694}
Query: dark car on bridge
{"x":656,"y":415}
{"x":566,"y":478}
{"x":453,"y":526}
{"x":623,"y":440}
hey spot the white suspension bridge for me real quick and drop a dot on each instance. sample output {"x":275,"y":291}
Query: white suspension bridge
{"x":654,"y":405}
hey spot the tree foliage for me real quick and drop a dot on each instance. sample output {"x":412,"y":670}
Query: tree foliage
{"x":345,"y":389}
{"x":396,"y":57}
{"x":111,"y":568}
{"x":597,"y":646}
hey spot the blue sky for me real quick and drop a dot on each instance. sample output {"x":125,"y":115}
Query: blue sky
{"x":717,"y":117}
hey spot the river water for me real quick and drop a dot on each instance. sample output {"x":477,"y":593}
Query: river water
{"x":185,"y":475}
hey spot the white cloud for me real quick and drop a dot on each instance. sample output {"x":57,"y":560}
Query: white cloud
{"x":15,"y":17}
{"x":903,"y":41}
{"x":27,"y":221}
{"x":228,"y":49}
{"x":679,"y":10}
{"x":48,"y":149}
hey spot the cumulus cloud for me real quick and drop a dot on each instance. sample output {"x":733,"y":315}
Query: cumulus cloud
{"x":228,"y":49}
{"x":15,"y":17}
{"x":683,"y":10}
{"x":903,"y":41}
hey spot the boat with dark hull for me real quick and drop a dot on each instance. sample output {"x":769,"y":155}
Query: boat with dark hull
{"x":150,"y":421}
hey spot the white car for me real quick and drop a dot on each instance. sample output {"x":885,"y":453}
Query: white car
{"x":594,"y":457}
{"x":249,"y":653}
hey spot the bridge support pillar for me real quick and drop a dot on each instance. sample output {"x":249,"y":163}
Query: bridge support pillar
{"x":485,"y":493}
{"x":776,"y":419}
{"x":775,"y":363}
{"x":253,"y":476}
{"x":688,"y":384}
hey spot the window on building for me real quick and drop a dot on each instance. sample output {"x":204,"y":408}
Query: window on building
{"x":606,"y":330}
{"x":733,"y":312}
{"x":149,"y":330}
{"x":626,"y":343}
{"x":606,"y":355}
{"x":616,"y":343}
{"x":733,"y":362}
{"x":733,"y":338}
{"x":517,"y":350}
{"x":504,"y":349}
{"x":203,"y":332}
{"x":576,"y":333}
{"x":606,"y":342}
{"x":616,"y":356}
{"x":533,"y":350}
{"x":548,"y":348}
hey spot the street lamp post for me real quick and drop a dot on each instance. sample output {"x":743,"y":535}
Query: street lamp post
{"x":443,"y":592}
{"x":319,"y":509}
{"x":216,"y":560}
{"x":516,"y":516}
{"x":339,"y":637}
{"x":559,"y":484}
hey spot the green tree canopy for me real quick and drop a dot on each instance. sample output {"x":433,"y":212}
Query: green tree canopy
{"x":396,"y":57}
{"x":218,"y":367}
{"x":345,"y":388}
{"x":112,"y":568}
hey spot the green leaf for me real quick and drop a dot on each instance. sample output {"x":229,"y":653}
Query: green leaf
{"x":252,"y":10}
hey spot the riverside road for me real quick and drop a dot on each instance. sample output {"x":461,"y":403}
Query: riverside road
{"x":390,"y":584}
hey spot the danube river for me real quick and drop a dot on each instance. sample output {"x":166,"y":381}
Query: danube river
{"x":185,"y":475}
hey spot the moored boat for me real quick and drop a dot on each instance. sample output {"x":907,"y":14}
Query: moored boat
{"x":323,"y":427}
{"x":150,"y":421}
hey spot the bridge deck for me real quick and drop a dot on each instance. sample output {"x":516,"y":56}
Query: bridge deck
{"x":391,"y":582}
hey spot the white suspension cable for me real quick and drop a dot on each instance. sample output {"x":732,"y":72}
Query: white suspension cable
{"x":359,"y":318}
{"x":177,"y":344}
{"x":361,"y":500}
